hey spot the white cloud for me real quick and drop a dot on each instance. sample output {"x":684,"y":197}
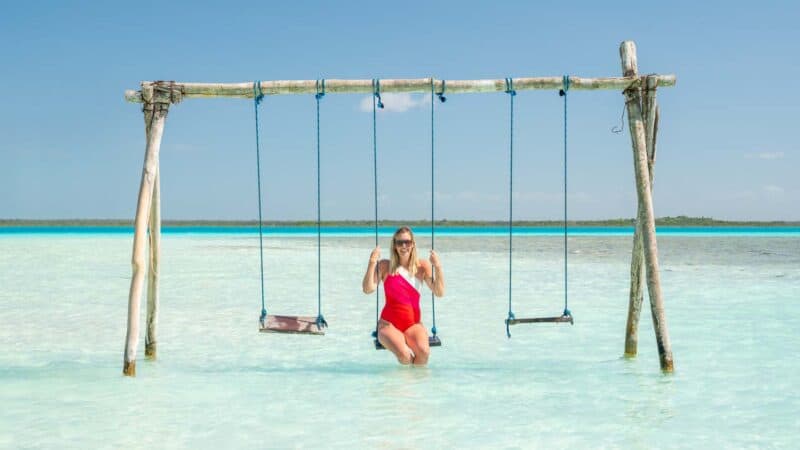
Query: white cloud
{"x":764,"y":155}
{"x":396,"y":102}
{"x":773,"y":190}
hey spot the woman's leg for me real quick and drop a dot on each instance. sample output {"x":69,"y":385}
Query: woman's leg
{"x":417,"y":338}
{"x":394,"y":341}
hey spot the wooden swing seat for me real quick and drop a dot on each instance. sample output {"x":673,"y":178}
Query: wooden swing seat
{"x":564,"y":318}
{"x":291,"y":324}
{"x":433,"y":341}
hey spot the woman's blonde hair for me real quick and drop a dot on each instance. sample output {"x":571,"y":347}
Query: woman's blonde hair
{"x":413,"y":261}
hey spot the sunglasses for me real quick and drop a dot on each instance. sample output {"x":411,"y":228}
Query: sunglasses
{"x":403,"y":242}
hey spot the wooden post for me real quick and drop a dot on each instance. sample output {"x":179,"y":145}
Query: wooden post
{"x":150,"y":340}
{"x":157,"y":98}
{"x":636,"y":125}
{"x":650,"y":116}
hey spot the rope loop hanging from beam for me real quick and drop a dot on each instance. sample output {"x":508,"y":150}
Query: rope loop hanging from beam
{"x":321,"y":322}
{"x":511,"y":93}
{"x":376,"y":91}
{"x":563,"y":93}
{"x":257,"y":97}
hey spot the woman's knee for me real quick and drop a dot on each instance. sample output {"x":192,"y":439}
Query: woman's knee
{"x":405,"y":358}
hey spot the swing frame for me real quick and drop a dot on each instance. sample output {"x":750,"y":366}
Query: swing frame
{"x":639,"y":92}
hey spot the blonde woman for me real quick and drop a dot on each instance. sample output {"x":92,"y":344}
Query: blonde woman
{"x":400,"y":328}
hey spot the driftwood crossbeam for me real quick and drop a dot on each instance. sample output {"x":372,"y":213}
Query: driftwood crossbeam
{"x":180,"y":90}
{"x":643,"y":114}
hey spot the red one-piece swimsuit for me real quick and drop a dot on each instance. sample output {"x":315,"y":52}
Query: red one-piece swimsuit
{"x":402,"y":302}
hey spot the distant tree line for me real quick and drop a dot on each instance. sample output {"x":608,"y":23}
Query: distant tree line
{"x":677,"y":221}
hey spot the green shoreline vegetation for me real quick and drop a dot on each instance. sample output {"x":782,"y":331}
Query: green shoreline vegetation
{"x":678,"y":221}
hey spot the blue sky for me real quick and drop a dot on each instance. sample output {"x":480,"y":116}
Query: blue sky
{"x":71,"y":147}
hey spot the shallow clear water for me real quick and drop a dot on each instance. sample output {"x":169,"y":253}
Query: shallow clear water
{"x":731,"y":303}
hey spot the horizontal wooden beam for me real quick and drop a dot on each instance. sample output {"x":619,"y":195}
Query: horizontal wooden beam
{"x":418,"y":85}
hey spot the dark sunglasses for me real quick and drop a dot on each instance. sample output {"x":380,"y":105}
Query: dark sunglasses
{"x":403,"y":242}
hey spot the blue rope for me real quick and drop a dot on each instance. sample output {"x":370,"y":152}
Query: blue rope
{"x":376,"y":97}
{"x":563,"y":93}
{"x":258,"y":96}
{"x":376,"y":91}
{"x":376,"y":101}
{"x":441,"y":96}
{"x":320,"y":319}
{"x":433,"y":221}
{"x":511,"y":94}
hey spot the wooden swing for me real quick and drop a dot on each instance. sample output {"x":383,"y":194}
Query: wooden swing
{"x":566,"y":316}
{"x":289,"y":324}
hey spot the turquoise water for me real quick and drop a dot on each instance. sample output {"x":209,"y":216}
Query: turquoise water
{"x":731,"y":303}
{"x":444,"y":231}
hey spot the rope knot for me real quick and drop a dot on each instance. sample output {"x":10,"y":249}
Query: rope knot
{"x":376,"y":91}
{"x":320,"y":85}
{"x":441,"y":96}
{"x":508,"y":323}
{"x":510,"y":87}
{"x":258,"y":95}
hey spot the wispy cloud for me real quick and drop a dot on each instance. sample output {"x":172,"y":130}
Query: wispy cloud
{"x":396,"y":102}
{"x":773,"y":190}
{"x":764,"y":155}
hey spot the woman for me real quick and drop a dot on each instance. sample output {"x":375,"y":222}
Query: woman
{"x":399,"y":328}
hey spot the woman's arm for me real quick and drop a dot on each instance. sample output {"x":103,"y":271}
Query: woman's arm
{"x":370,"y":281}
{"x":434,"y":276}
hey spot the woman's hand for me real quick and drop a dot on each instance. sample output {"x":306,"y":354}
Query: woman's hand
{"x":436,"y":282}
{"x":375,"y":255}
{"x":370,"y":281}
{"x":434,"y":259}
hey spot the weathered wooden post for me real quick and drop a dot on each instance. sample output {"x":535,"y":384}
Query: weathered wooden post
{"x":157,"y":97}
{"x":150,"y":340}
{"x":650,"y":116}
{"x":646,"y":220}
